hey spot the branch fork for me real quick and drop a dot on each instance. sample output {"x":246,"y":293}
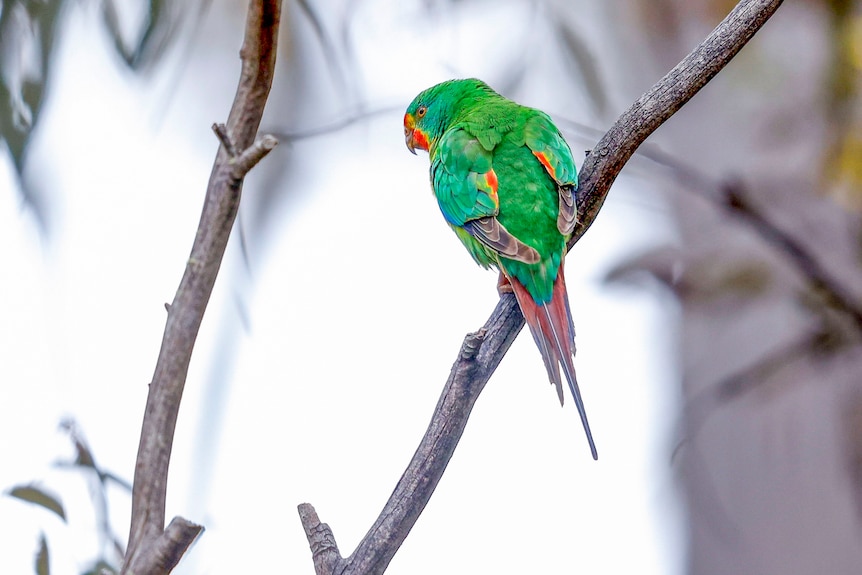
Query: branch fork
{"x":244,"y":161}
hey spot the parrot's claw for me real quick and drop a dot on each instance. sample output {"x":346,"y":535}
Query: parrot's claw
{"x":504,"y":286}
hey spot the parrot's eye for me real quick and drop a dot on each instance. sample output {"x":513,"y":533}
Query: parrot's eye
{"x":420,"y":111}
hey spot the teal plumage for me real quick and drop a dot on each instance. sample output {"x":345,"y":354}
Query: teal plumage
{"x":504,"y":179}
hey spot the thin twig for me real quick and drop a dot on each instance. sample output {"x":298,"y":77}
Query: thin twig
{"x":152,"y":549}
{"x":223,"y":137}
{"x":481,"y":353}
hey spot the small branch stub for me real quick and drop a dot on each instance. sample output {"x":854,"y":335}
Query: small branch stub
{"x":178,"y":537}
{"x":244,"y":161}
{"x":324,"y":549}
{"x":472,"y":343}
{"x":252,"y":155}
{"x":223,"y":137}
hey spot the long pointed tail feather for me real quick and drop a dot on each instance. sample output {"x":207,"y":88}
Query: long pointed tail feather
{"x":569,"y":370}
{"x":553,"y":332}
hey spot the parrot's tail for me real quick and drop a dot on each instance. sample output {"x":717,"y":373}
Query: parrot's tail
{"x":554,"y":333}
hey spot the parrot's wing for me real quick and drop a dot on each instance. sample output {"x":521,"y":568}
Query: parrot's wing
{"x":492,"y":233}
{"x":547,"y":144}
{"x":465,"y":184}
{"x":463,"y":178}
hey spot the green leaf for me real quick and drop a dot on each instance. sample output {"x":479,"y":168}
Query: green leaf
{"x":42,"y":565}
{"x":38,"y":496}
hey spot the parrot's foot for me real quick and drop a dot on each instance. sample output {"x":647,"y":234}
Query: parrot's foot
{"x":504,"y":285}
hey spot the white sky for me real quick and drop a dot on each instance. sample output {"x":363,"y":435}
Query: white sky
{"x":356,"y":312}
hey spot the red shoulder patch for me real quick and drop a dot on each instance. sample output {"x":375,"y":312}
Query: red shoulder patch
{"x":543,"y":158}
{"x":491,"y":177}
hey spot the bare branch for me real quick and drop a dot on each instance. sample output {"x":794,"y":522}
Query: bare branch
{"x":151,"y":548}
{"x":607,"y":158}
{"x":481,"y":352}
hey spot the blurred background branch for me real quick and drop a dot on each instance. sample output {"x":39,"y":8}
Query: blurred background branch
{"x":29,"y":31}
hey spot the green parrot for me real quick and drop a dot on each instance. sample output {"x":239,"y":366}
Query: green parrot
{"x":505,"y":181}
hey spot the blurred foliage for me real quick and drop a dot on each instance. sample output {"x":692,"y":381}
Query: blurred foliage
{"x":843,"y":153}
{"x":29,"y":32}
{"x":141,"y":32}
{"x":111,"y":548}
{"x":27,"y":35}
{"x":841,"y":163}
{"x":39,"y":496}
{"x":43,"y":560}
{"x":154,"y":35}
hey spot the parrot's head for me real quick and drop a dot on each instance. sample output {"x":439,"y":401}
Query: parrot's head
{"x":431,"y":113}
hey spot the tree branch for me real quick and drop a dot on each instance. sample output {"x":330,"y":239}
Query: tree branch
{"x":151,"y":548}
{"x":676,"y":88}
{"x":481,"y":352}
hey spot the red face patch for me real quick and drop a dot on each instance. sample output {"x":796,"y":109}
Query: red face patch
{"x":420,"y":139}
{"x":414,"y":137}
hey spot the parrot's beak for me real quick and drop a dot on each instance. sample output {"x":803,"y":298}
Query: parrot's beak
{"x":408,"y":133}
{"x":408,"y":139}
